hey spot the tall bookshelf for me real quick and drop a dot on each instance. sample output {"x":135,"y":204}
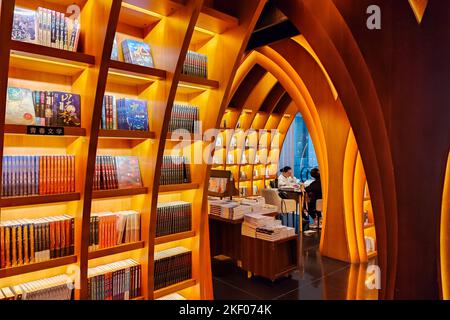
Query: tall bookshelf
{"x":215,"y":28}
{"x":258,"y":132}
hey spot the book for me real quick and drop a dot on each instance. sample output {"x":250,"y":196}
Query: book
{"x":195,"y":64}
{"x":173,"y":217}
{"x":59,"y":287}
{"x":24,"y":25}
{"x":46,"y":27}
{"x":132,"y":114}
{"x":174,"y":170}
{"x":108,"y":229}
{"x":128,"y":172}
{"x":26,"y":241}
{"x":137,"y":52}
{"x":115,"y":50}
{"x":184,"y":117}
{"x":119,"y":280}
{"x":20,"y":107}
{"x":68,"y":110}
{"x":172,"y":266}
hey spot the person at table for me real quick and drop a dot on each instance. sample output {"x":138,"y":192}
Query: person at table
{"x":287,"y":180}
{"x":314,"y":191}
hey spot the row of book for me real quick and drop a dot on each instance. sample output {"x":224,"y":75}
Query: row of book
{"x":172,"y":266}
{"x":46,"y":27}
{"x":115,"y":281}
{"x":43,"y":108}
{"x":120,"y":172}
{"x":184,"y":117}
{"x":27,"y":241}
{"x":173,"y":217}
{"x":108,"y":229}
{"x":124,"y":114}
{"x":59,"y":287}
{"x":175,"y":170}
{"x":196,"y":64}
{"x":37,"y":175}
{"x":134,"y":52}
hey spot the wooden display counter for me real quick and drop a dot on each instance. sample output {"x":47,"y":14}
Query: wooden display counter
{"x":268,"y":259}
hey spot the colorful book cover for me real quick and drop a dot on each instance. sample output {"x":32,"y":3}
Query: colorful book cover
{"x":20,"y":107}
{"x":24,"y":25}
{"x":137,"y":52}
{"x":115,"y":50}
{"x":128,"y":173}
{"x":136,"y":114}
{"x":68,"y":107}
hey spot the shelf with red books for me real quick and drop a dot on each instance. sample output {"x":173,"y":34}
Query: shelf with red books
{"x":22,"y":129}
{"x":39,"y":199}
{"x":174,"y":288}
{"x":35,"y":57}
{"x":133,"y":74}
{"x":116,"y":249}
{"x":126,"y":134}
{"x":178,"y":187}
{"x":37,"y":266}
{"x":174,"y":237}
{"x":102,"y":194}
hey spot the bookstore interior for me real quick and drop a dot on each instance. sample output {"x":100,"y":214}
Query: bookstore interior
{"x":214,"y":149}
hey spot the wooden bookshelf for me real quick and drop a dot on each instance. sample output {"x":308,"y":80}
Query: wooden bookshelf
{"x":174,"y":237}
{"x":32,"y":267}
{"x":116,"y":249}
{"x":91,"y":73}
{"x":44,"y":199}
{"x":102,"y":194}
{"x":174,"y":288}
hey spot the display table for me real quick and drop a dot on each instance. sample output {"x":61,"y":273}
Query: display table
{"x":270,"y":259}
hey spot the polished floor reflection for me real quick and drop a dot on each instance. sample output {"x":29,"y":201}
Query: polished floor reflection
{"x":320,"y":278}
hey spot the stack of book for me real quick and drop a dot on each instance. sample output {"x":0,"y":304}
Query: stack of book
{"x":115,"y":281}
{"x":228,"y":209}
{"x":184,"y":117}
{"x":27,"y":241}
{"x":173,"y":217}
{"x":196,"y":64}
{"x":37,"y":175}
{"x":124,"y":114}
{"x":121,"y":172}
{"x":136,"y":52}
{"x":172,"y":266}
{"x":43,"y":108}
{"x":108,"y":229}
{"x":55,"y":288}
{"x":175,"y":170}
{"x":265,"y":227}
{"x":46,"y":27}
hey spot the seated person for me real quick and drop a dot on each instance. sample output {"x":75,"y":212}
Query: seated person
{"x":287,"y":180}
{"x":314,"y":191}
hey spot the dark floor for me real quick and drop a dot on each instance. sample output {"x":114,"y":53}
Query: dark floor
{"x":320,"y":278}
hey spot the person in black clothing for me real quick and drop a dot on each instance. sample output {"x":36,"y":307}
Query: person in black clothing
{"x":314,"y":191}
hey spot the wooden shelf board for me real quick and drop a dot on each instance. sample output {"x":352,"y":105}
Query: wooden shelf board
{"x":174,"y":237}
{"x":371,"y":255}
{"x":132,"y":74}
{"x":116,"y":249}
{"x":40,"y":199}
{"x":370,"y":225}
{"x":32,"y":267}
{"x":216,"y":21}
{"x":178,"y":187}
{"x":30,"y":56}
{"x":192,"y":84}
{"x":139,"y":298}
{"x":178,"y":137}
{"x":174,"y":288}
{"x":101,"y":194}
{"x":22,"y":129}
{"x":126,"y":134}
